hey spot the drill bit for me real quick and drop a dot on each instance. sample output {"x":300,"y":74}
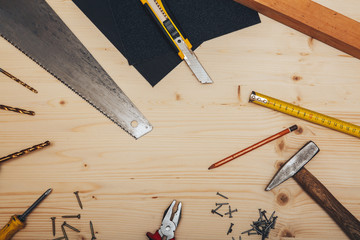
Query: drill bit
{"x":18,"y":80}
{"x":25,"y":151}
{"x":18,"y":110}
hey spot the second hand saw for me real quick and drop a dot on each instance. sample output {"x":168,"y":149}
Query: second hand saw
{"x":34,"y":28}
{"x":180,"y":43}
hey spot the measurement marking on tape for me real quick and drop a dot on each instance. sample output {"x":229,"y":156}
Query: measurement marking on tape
{"x":305,"y":114}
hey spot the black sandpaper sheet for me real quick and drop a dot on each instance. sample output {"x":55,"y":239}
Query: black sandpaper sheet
{"x":133,"y":31}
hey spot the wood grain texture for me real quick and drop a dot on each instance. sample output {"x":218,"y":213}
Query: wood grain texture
{"x":314,"y":20}
{"x":317,"y":191}
{"x":125,"y":185}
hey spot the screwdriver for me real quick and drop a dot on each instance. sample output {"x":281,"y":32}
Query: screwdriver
{"x":17,"y":222}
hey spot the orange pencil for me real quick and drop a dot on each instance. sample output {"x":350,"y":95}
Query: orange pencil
{"x":256,"y":145}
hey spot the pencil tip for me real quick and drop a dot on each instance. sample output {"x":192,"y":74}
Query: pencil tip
{"x":211,"y":167}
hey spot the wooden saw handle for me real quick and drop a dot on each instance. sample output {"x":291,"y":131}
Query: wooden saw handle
{"x":346,"y":221}
{"x":314,"y":20}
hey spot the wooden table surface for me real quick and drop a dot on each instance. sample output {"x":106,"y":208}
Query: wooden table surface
{"x":126,"y":184}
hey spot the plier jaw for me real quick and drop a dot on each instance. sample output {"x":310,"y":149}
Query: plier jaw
{"x":168,"y":225}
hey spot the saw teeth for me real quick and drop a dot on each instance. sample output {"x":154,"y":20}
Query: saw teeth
{"x":54,"y":75}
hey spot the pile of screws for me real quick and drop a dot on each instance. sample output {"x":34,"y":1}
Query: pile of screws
{"x":78,"y":216}
{"x":219,"y":205}
{"x":229,"y":213}
{"x":263,"y":225}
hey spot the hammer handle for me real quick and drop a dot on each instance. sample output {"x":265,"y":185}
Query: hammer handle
{"x":346,"y":221}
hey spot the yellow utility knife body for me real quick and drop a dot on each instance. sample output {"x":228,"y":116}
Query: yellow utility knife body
{"x":182,"y":45}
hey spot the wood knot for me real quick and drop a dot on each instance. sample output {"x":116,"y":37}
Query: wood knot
{"x":287,"y":233}
{"x":282,"y":199}
{"x":155,"y":197}
{"x":279,"y":164}
{"x":85,"y":165}
{"x":299,"y":131}
{"x":62,"y":102}
{"x":296,"y":78}
{"x":178,"y":97}
{"x":93,"y":197}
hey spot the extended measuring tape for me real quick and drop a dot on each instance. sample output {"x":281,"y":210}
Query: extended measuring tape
{"x":305,"y":114}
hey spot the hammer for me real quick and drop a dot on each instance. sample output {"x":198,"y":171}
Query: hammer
{"x":294,"y":167}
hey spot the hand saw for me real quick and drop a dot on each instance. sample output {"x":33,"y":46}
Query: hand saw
{"x":36,"y":30}
{"x":180,"y":43}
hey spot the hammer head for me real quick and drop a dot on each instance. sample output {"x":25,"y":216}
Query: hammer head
{"x":294,"y":164}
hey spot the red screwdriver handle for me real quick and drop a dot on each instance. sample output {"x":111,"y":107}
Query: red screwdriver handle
{"x":346,"y":221}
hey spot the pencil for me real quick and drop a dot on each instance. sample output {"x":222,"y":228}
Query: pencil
{"x":253,"y":147}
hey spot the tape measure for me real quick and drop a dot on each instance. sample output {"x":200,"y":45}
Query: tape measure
{"x":305,"y":114}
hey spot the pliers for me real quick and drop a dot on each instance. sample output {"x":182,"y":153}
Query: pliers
{"x":168,"y":226}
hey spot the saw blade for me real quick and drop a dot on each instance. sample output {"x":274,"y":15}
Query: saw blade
{"x":35,"y":29}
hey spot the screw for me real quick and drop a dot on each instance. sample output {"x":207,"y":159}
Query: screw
{"x":221,"y":195}
{"x":71,"y":227}
{"x":64,"y":232}
{"x":78,"y":199}
{"x":92,"y":231}
{"x":218,"y":204}
{"x":213,"y":211}
{"x":72,"y":216}
{"x":230,"y":228}
{"x":53,"y":225}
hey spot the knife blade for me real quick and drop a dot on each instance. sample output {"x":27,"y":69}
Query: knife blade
{"x":180,"y":43}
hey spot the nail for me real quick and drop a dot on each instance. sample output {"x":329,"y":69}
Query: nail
{"x":72,"y":216}
{"x":213,"y":211}
{"x":59,"y":238}
{"x":92,"y":231}
{"x":71,"y":227}
{"x":53,"y":225}
{"x":221,"y":195}
{"x":218,"y":204}
{"x":230,"y":228}
{"x":64,"y":232}
{"x":78,"y":199}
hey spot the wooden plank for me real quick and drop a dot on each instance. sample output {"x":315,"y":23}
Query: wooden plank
{"x":125,"y":185}
{"x":314,"y":20}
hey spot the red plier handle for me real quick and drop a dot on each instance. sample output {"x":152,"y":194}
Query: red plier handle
{"x":155,"y":236}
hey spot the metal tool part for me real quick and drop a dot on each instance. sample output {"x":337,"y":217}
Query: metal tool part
{"x":71,"y":227}
{"x":305,"y":114}
{"x":230,"y":229}
{"x":18,"y":80}
{"x":180,"y":43}
{"x":17,"y":222}
{"x":72,"y":216}
{"x":36,"y":30}
{"x":168,"y":225}
{"x":93,"y":237}
{"x":59,"y":238}
{"x":64,"y":232}
{"x":25,"y":151}
{"x":18,"y":110}
{"x":294,"y":164}
{"x":23,"y":216}
{"x":312,"y":186}
{"x":263,"y":225}
{"x":221,"y":195}
{"x":53,"y":225}
{"x":78,"y":199}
